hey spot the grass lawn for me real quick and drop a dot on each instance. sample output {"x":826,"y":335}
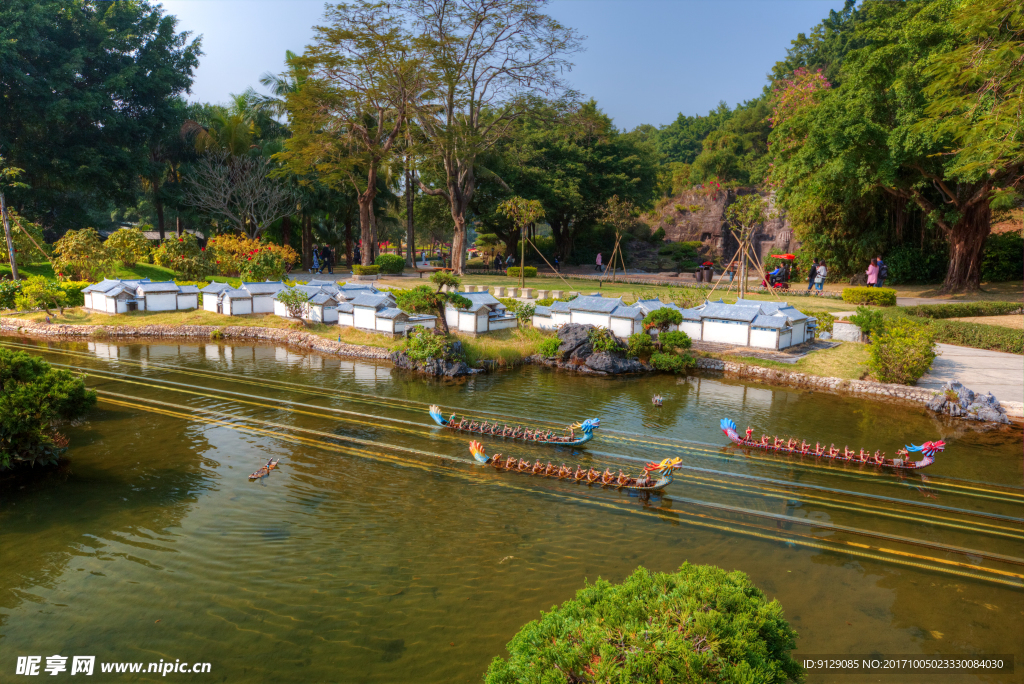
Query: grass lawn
{"x":151,"y":271}
{"x":1016,"y":322}
{"x":848,"y":361}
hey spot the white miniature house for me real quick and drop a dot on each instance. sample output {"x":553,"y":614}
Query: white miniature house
{"x":112,"y":296}
{"x":236,"y":302}
{"x":263,"y":295}
{"x":213,"y":297}
{"x":601,"y":312}
{"x":485,"y":314}
{"x":122,"y":296}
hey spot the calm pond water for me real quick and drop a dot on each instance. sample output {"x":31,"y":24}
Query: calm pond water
{"x":378,"y":552}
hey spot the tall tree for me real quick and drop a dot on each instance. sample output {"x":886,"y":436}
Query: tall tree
{"x":354,"y":103}
{"x":482,"y":58}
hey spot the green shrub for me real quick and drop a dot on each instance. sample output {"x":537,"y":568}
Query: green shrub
{"x":513,"y":272}
{"x":1002,"y":259}
{"x":33,"y":398}
{"x":38,"y":292}
{"x":294,"y":301}
{"x":389,"y":263}
{"x":127,"y":245}
{"x":80,"y":256}
{"x":365,"y":270}
{"x":549,"y":347}
{"x":868,"y":320}
{"x":639,"y":346}
{"x":674,"y":339}
{"x":9,"y":290}
{"x":661,"y":319}
{"x":977,"y":335}
{"x":672,"y":362}
{"x":431,"y":343}
{"x":963,"y":309}
{"x":216,"y":334}
{"x":603,"y":341}
{"x":700,"y":624}
{"x":546,"y":301}
{"x":825,"y":321}
{"x":901,"y":352}
{"x":914,"y":266}
{"x":185,"y":257}
{"x":263,"y":265}
{"x":879,"y":296}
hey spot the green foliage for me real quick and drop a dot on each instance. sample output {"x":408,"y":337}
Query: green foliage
{"x":445,"y":279}
{"x":357,"y":269}
{"x":430,"y":343}
{"x":682,"y":140}
{"x":639,"y":346}
{"x":661,"y":319}
{"x":263,"y":264}
{"x":976,"y":335}
{"x":910,"y":265}
{"x":9,"y":290}
{"x":389,"y":263}
{"x":868,"y":320}
{"x":293,"y":300}
{"x":1002,"y":259}
{"x":73,"y":295}
{"x":825,"y":321}
{"x":684,"y":254}
{"x":127,"y":245}
{"x":963,"y":309}
{"x":33,"y":397}
{"x":658,"y":236}
{"x":603,"y":340}
{"x":673,"y":363}
{"x":902,"y":352}
{"x":736,"y":151}
{"x":549,"y":347}
{"x":424,"y":299}
{"x":674,"y":339}
{"x":700,"y":624}
{"x":39,"y":292}
{"x":27,"y":237}
{"x":513,"y":271}
{"x":878,"y":296}
{"x":185,"y":257}
{"x":522,"y":310}
{"x":80,"y":256}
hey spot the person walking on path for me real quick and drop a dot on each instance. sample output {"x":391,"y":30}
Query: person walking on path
{"x":316,"y":260}
{"x":819,"y":278}
{"x":883,"y":272}
{"x":873,"y":273}
{"x":557,"y":267}
{"x":357,"y":256}
{"x":811,"y":274}
{"x":732,"y":273}
{"x":326,"y":259}
{"x":599,"y":267}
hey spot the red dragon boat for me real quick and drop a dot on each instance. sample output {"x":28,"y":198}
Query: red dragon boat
{"x":790,"y":446}
{"x":589,"y":476}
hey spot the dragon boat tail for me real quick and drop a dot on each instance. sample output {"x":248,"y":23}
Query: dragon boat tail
{"x":654,"y":478}
{"x":572,"y":435}
{"x":928,"y":450}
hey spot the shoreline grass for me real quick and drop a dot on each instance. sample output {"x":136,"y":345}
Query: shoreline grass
{"x":848,"y":361}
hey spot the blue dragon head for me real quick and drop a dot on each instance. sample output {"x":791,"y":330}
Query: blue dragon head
{"x":588,"y":425}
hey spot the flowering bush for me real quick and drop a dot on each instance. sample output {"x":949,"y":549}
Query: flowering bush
{"x":261,"y":265}
{"x":185,"y":257}
{"x":232,"y":252}
{"x":80,"y":256}
{"x":25,"y":252}
{"x":792,"y":94}
{"x":127,"y":245}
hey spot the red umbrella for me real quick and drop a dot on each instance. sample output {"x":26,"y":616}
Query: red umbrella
{"x":787,"y":257}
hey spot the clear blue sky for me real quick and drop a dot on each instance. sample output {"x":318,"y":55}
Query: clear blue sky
{"x":645,"y":60}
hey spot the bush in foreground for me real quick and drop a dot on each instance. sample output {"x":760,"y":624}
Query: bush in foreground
{"x":700,"y":624}
{"x":513,"y":272}
{"x":33,"y":398}
{"x":878,"y":296}
{"x":901,"y":352}
{"x":389,"y":263}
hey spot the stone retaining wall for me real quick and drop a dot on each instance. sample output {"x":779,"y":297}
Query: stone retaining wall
{"x":296,"y":338}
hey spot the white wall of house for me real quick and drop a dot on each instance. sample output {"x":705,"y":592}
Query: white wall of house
{"x":481,"y":322}
{"x":691,"y":328}
{"x":423,"y":323}
{"x":504,"y":324}
{"x":323,"y":314}
{"x":786,"y":338}
{"x":560,"y":318}
{"x":732,"y":332}
{"x":384,"y":325}
{"x":765,"y":338}
{"x":451,"y":316}
{"x":161,"y":302}
{"x":598,"y":320}
{"x":622,"y":327}
{"x":544,"y":322}
{"x":210,"y":302}
{"x":264,"y":304}
{"x":280,"y":309}
{"x":346,"y":319}
{"x":365,"y":317}
{"x":237,"y":307}
{"x":188,"y":301}
{"x":799,"y":332}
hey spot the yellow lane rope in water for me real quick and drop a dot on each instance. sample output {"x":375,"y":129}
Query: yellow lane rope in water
{"x":408,"y":404}
{"x":704,"y":504}
{"x":676,"y":516}
{"x":422,"y":430}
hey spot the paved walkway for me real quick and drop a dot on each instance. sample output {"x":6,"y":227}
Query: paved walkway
{"x":981,"y":370}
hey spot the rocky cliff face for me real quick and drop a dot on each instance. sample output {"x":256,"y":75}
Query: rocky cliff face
{"x":695,"y":216}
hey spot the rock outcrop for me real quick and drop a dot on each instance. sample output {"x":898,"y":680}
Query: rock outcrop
{"x":576,"y":353}
{"x":441,"y":368}
{"x":961,"y":402}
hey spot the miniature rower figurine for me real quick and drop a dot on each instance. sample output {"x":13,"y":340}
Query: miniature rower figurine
{"x":749,"y":432}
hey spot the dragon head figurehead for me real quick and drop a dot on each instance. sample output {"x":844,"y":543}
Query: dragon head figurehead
{"x":665,"y":467}
{"x":588,"y":425}
{"x":928,"y":449}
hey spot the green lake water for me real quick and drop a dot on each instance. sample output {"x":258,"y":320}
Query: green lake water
{"x":379,"y":552}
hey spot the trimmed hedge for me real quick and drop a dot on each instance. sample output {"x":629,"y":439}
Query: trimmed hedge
{"x":389,"y":263}
{"x":513,"y":271}
{"x":365,"y":270}
{"x":9,"y":290}
{"x":968,"y":334}
{"x":964,"y":310}
{"x":879,"y":296}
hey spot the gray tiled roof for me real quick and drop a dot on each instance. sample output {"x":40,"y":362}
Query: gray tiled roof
{"x":390,"y":312}
{"x":692,"y":314}
{"x":215,"y":288}
{"x":344,"y":307}
{"x":101,"y":286}
{"x":633,"y":312}
{"x":168,"y":286}
{"x":560,"y":306}
{"x":373,"y":301}
{"x":236,"y":294}
{"x":306,"y":289}
{"x":730,"y":312}
{"x":649,"y":305}
{"x":595,"y":304}
{"x":322,"y":298}
{"x":263,"y":288}
{"x":354,"y":288}
{"x":479,"y":298}
{"x":765,"y":321}
{"x":792,"y":313}
{"x":542,"y":311}
{"x":188,"y":289}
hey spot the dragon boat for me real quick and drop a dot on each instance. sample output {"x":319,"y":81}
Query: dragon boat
{"x":265,"y":470}
{"x":654,"y":478}
{"x":568,"y":437}
{"x":902,"y":461}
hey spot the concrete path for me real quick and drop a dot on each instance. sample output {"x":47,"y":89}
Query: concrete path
{"x":983,"y":371}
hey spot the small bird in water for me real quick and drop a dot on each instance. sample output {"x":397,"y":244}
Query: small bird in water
{"x":656,"y":400}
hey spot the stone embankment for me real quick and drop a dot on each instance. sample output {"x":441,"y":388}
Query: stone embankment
{"x":296,"y":338}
